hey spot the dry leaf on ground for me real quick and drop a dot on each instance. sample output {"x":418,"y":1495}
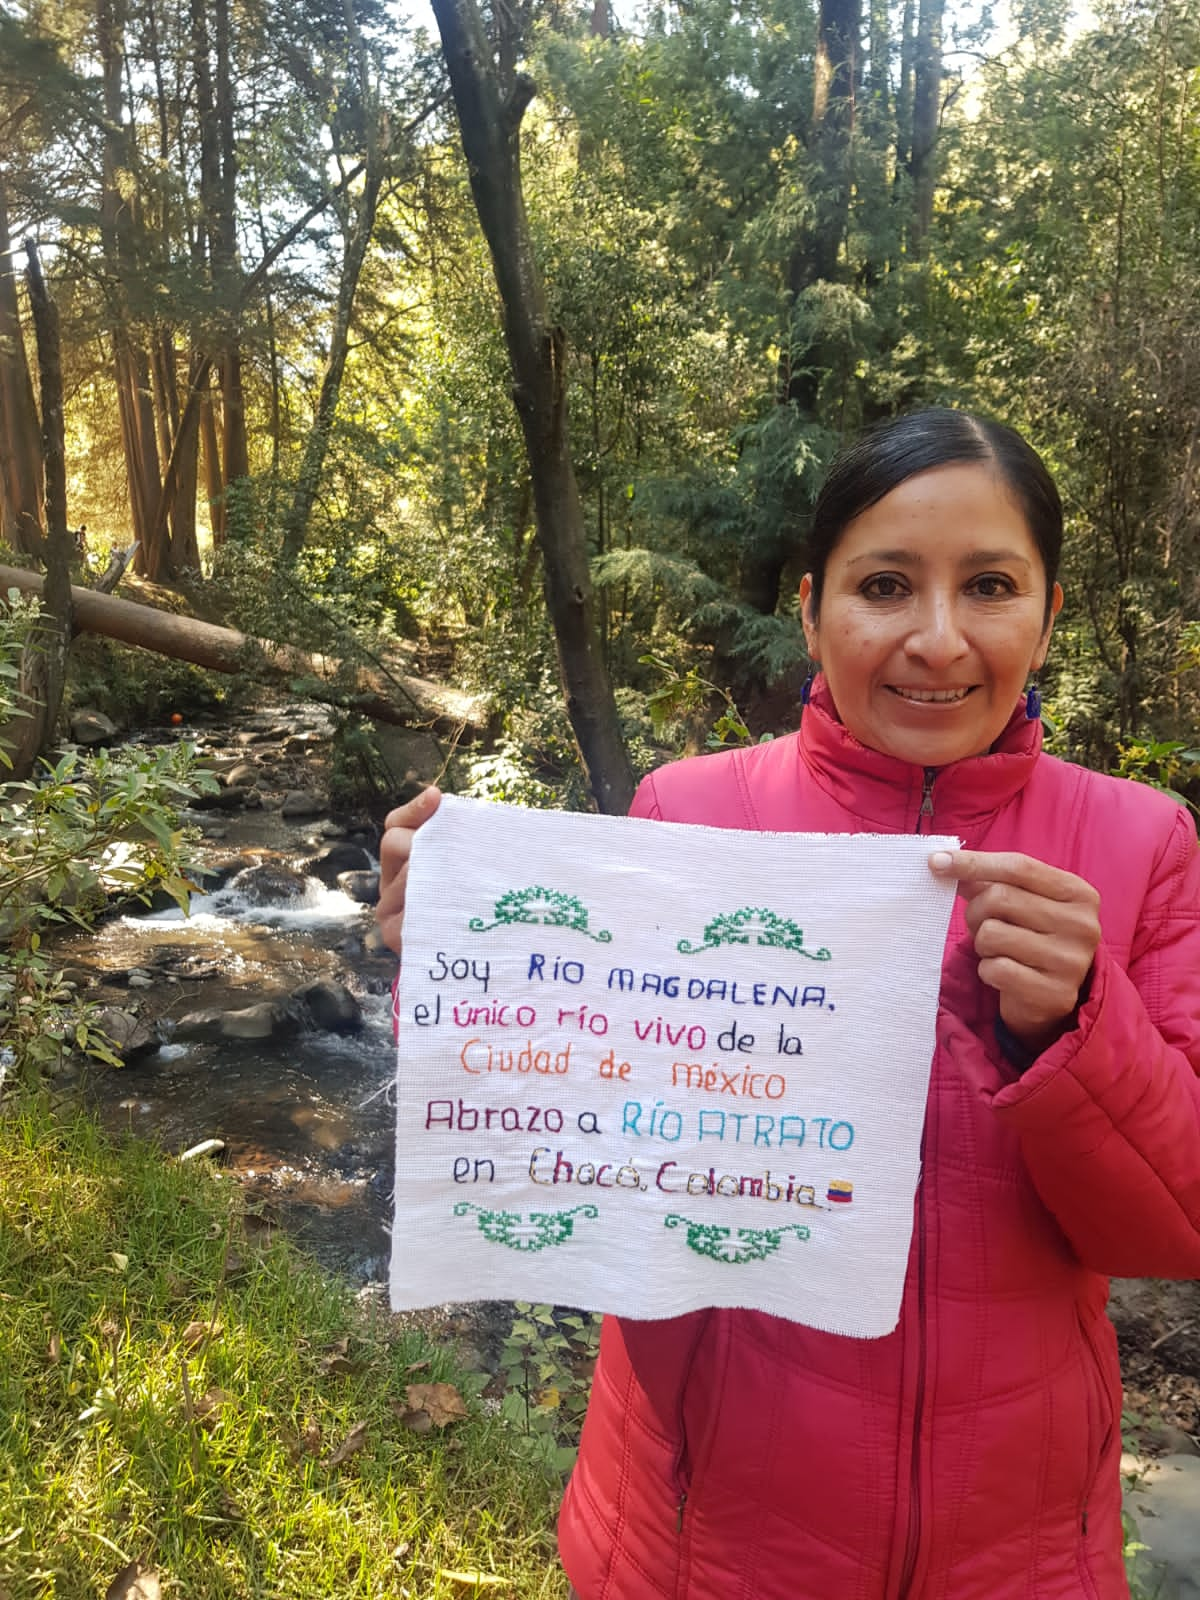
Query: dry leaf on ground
{"x":196,"y":1333}
{"x":208,"y":1406}
{"x":134,"y":1582}
{"x":479,"y":1580}
{"x":441,"y":1400}
{"x":353,"y":1442}
{"x":414,"y":1421}
{"x":338,"y":1367}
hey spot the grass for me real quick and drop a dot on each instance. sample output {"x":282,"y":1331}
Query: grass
{"x":175,"y":1394}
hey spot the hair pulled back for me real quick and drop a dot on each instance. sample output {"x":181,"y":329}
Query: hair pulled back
{"x":887,"y":455}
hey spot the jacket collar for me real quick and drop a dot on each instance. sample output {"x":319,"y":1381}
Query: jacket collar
{"x":888,"y":793}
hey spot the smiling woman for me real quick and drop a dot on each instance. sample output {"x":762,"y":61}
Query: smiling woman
{"x":973,"y":1453}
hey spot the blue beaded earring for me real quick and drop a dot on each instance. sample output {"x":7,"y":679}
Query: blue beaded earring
{"x":806,"y":690}
{"x":1033,"y":700}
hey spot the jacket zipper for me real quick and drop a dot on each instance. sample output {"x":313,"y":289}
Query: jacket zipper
{"x":683,"y":1455}
{"x":926,"y":810}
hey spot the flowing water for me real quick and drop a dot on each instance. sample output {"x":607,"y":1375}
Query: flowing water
{"x":305,"y":1117}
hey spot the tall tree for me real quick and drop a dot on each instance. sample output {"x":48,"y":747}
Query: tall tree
{"x":926,"y":112}
{"x":20,"y":461}
{"x":490,"y":104}
{"x":357,"y":211}
{"x":43,"y":672}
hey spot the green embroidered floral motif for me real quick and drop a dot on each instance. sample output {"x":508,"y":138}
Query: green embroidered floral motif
{"x":539,"y":1231}
{"x":544,"y":906}
{"x":752,"y":925}
{"x":726,"y":1244}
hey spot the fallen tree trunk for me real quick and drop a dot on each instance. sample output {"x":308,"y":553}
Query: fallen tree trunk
{"x":401,"y":699}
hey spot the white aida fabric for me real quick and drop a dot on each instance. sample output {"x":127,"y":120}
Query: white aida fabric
{"x":645,"y":1068}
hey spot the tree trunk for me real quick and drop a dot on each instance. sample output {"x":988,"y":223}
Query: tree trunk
{"x":815,"y":256}
{"x":361,"y":211}
{"x":398,"y":698}
{"x":131,"y":365}
{"x":904,"y":90}
{"x":43,"y":673}
{"x":20,"y":466}
{"x":927,"y":95}
{"x":235,"y":452}
{"x":212,"y":465}
{"x":489,"y":115}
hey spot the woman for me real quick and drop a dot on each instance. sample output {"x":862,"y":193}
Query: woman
{"x":973,"y":1453}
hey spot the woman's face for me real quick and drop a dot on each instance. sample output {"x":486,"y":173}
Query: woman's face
{"x":933,"y":615}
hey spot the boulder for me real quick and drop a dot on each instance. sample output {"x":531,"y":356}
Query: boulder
{"x":131,"y":1038}
{"x":269,"y":1019}
{"x":331,"y":1006}
{"x":270,"y":884}
{"x":333,"y":861}
{"x":241,"y":775}
{"x":197,"y":1025}
{"x":301,"y":803}
{"x":360,"y":886}
{"x":91,"y":728}
{"x":226,"y":799}
{"x":1163,"y":1498}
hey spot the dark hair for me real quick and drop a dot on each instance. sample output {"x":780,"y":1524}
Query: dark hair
{"x":890,"y":453}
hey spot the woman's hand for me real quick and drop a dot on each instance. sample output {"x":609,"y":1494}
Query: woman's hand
{"x":1036,"y":930}
{"x":394,"y":850}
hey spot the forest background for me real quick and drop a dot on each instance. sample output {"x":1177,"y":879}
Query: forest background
{"x":570,"y":455}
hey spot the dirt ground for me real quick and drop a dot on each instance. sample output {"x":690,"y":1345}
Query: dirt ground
{"x":1158,"y":1330}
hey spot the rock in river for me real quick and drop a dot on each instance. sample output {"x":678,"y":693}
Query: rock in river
{"x":336,"y":859}
{"x":331,"y":1006}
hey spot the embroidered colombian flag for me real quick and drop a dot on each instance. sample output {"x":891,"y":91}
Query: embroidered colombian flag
{"x":840,"y":1191}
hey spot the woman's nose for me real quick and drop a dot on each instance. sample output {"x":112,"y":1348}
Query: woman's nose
{"x":938,"y":638}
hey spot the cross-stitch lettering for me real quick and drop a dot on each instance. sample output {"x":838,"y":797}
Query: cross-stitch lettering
{"x":467,"y":1169}
{"x":660,"y":1030}
{"x":457,"y":1115}
{"x":658,"y":1124}
{"x":590,"y":1022}
{"x":477,"y":1056}
{"x":624,"y":1038}
{"x":628,"y":980}
{"x":604,"y":1176}
{"x":460,"y":969}
{"x":562,"y":971}
{"x":495,"y":1015}
{"x":749,"y":1084}
{"x":672,"y":1179}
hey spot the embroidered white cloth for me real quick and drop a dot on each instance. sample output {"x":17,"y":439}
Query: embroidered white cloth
{"x":646,"y":1067}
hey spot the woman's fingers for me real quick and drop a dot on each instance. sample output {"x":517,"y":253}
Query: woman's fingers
{"x":1036,"y":929}
{"x":395,"y":848}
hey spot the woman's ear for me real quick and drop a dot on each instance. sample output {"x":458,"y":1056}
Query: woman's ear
{"x":808,"y":616}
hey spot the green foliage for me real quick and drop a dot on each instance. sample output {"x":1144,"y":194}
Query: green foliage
{"x":684,"y":697}
{"x":88,"y":829}
{"x":135,"y":687}
{"x":1162,"y":763}
{"x":546,"y":1364}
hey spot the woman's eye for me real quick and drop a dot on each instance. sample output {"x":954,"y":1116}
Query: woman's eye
{"x":993,"y":585}
{"x":883,"y":586}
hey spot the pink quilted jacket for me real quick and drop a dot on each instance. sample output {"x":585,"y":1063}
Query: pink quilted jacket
{"x":973,"y":1453}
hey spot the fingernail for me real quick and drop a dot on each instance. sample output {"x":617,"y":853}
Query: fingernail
{"x":941,"y":861}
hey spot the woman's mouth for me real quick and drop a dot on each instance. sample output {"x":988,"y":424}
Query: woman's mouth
{"x":931,"y":696}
